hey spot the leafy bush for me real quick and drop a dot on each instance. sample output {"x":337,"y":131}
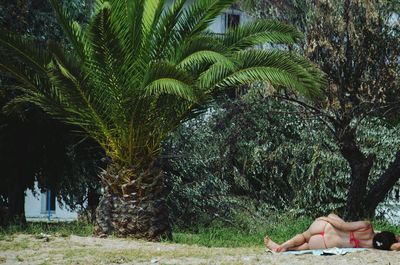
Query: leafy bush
{"x":257,"y":153}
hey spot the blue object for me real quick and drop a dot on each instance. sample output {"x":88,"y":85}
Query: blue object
{"x":49,"y":204}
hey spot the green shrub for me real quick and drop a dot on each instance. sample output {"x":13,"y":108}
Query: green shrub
{"x":258,"y":153}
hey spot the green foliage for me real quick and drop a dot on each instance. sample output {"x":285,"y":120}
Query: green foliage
{"x":253,"y":151}
{"x":50,"y":153}
{"x":259,"y":153}
{"x":127,"y":81}
{"x":380,"y":138}
{"x":380,"y":225}
{"x":357,"y":44}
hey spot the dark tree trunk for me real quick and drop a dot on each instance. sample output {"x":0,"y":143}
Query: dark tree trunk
{"x":360,"y":166}
{"x":4,"y":219}
{"x":93,"y":202}
{"x":138,"y":209}
{"x":16,"y":203}
{"x":383,"y":185}
{"x":361,"y":204}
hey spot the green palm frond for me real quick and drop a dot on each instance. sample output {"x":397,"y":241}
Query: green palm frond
{"x":260,"y":32}
{"x":170,"y":86}
{"x":29,"y":52}
{"x":71,"y":29}
{"x":276,"y":67}
{"x":212,"y":76}
{"x":205,"y":57}
{"x":106,"y":60}
{"x":199,"y":16}
{"x":165,"y":34}
{"x":142,"y":67}
{"x":165,"y":69}
{"x":19,"y":73}
{"x":152,"y":10}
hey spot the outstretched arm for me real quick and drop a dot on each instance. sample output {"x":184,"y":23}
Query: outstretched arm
{"x":332,"y":215}
{"x":395,"y":246}
{"x":346,"y":226}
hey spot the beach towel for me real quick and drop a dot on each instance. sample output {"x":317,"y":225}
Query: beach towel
{"x":325,"y":252}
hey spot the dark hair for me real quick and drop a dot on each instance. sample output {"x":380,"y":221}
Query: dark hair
{"x":384,"y":240}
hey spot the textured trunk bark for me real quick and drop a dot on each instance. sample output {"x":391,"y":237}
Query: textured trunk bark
{"x":136,"y":209}
{"x":356,"y":208}
{"x":360,"y":169}
{"x":4,"y":220}
{"x":93,"y":202}
{"x":16,"y":203}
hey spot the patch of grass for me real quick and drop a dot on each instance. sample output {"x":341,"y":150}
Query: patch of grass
{"x":144,"y":253}
{"x":14,"y":245}
{"x":278,"y":227}
{"x":46,"y":262}
{"x":217,"y":235}
{"x":6,"y":237}
{"x":381,"y":225}
{"x":57,"y":229}
{"x":102,"y":256}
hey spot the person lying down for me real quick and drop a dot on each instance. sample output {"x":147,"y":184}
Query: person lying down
{"x":332,"y":231}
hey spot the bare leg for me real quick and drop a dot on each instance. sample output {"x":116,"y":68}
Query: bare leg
{"x":302,"y":247}
{"x":271,"y":245}
{"x":294,"y":242}
{"x":300,"y":241}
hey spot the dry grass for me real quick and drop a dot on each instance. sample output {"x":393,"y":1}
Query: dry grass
{"x":27,"y":249}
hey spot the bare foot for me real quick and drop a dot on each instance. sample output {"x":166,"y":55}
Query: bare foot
{"x":271,"y":245}
{"x":281,"y":248}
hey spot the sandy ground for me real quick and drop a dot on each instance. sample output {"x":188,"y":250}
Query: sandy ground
{"x":27,"y":249}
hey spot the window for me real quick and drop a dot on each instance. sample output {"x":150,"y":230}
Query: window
{"x":48,"y":202}
{"x":232,"y":21}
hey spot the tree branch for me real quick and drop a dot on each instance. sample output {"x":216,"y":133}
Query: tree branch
{"x":315,"y":111}
{"x":383,"y":185}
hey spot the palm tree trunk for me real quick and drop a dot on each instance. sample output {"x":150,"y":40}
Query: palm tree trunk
{"x":136,"y":209}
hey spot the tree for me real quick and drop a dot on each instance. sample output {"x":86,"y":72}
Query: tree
{"x":30,"y":137}
{"x":252,"y":155}
{"x":357,"y":44}
{"x":137,"y":71}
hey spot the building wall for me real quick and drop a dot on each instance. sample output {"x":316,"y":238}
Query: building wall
{"x":35,"y":204}
{"x":219,"y":25}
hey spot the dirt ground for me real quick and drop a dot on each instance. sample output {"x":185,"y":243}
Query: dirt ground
{"x":28,"y":249}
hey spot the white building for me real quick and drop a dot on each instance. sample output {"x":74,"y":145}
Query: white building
{"x":43,"y":206}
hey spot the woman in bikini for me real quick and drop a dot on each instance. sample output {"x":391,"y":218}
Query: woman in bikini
{"x":332,"y":231}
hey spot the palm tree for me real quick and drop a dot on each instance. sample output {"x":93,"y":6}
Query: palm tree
{"x":139,"y":69}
